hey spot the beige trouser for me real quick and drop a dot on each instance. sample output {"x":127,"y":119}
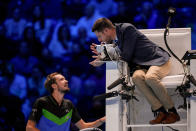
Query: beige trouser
{"x":149,"y":84}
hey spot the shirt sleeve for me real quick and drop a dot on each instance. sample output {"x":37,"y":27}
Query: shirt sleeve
{"x":75,"y":115}
{"x":36,"y":112}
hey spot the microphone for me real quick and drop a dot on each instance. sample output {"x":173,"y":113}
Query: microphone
{"x":105,"y":95}
{"x":171,"y":13}
{"x":116,"y":82}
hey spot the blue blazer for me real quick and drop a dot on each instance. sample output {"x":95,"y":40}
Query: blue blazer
{"x":136,"y":48}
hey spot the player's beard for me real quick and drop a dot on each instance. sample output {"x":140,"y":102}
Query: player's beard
{"x":64,"y":91}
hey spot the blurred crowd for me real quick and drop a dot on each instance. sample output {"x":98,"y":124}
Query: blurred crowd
{"x":38,"y":37}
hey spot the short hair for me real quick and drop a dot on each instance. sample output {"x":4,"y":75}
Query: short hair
{"x":101,"y":24}
{"x":50,"y":80}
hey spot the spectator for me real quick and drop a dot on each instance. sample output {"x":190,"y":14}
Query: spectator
{"x":123,"y":15}
{"x":36,"y":81}
{"x":15,"y":25}
{"x":147,"y":17}
{"x":82,"y":40}
{"x":91,"y":14}
{"x":18,"y":84}
{"x":43,"y":26}
{"x":12,"y":90}
{"x":46,"y":61}
{"x":79,"y":61}
{"x":13,"y":83}
{"x":62,"y":46}
{"x":106,"y":8}
{"x":32,"y":41}
{"x":24,"y":61}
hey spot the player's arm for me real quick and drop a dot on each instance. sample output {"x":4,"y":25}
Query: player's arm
{"x":81,"y":124}
{"x":34,"y":117}
{"x":31,"y":126}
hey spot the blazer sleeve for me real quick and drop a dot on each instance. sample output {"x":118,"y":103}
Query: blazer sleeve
{"x":128,"y":43}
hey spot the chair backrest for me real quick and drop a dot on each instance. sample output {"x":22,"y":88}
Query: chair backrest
{"x":179,"y":40}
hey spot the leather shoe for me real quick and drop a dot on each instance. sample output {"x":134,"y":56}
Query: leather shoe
{"x":171,"y":118}
{"x":160,"y":117}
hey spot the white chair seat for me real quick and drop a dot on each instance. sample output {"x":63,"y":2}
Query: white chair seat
{"x":172,"y":81}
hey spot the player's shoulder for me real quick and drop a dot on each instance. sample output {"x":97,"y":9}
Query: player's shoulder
{"x":42,"y":99}
{"x":67,"y":101}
